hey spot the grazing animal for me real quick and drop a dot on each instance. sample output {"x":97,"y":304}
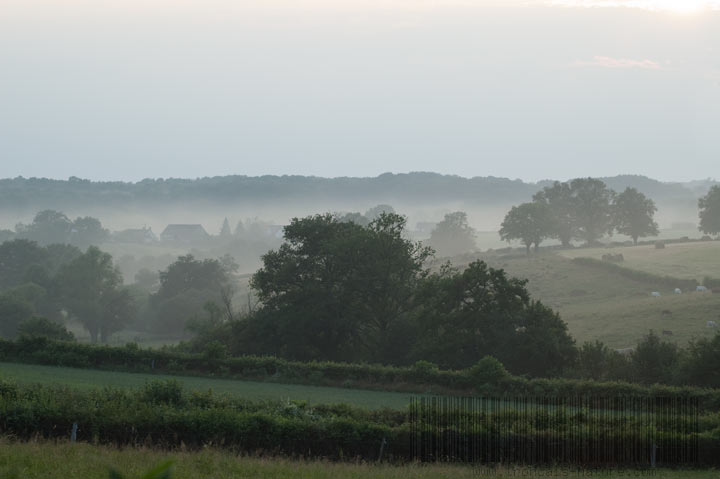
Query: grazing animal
{"x":678,"y":291}
{"x":625,"y":351}
{"x":701,"y":289}
{"x":711,"y":324}
{"x":520,"y":329}
{"x":667,"y":332}
{"x":655,"y":294}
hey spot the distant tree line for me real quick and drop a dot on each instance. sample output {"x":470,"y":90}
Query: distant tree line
{"x":581,"y":209}
{"x":585,"y":209}
{"x":42,"y":287}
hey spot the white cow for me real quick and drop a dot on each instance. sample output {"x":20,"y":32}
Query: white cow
{"x":655,"y":294}
{"x":701,"y":289}
{"x":711,"y":324}
{"x":678,"y":291}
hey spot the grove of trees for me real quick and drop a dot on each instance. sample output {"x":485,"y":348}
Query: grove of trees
{"x":583,"y":209}
{"x":336,"y":290}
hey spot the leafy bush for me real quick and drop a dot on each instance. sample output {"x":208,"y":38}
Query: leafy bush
{"x":163,"y":392}
{"x":38,"y":327}
{"x":488,"y":371}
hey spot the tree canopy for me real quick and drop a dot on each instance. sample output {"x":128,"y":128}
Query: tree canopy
{"x":453,"y":235}
{"x":530,"y":223}
{"x":593,"y":207}
{"x":710,"y":211}
{"x":185,"y":286}
{"x":336,"y":289}
{"x":632,"y":215}
{"x":92,"y":291}
{"x":585,"y":209}
{"x":559,"y":200}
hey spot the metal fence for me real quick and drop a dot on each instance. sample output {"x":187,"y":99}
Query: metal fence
{"x":586,"y":431}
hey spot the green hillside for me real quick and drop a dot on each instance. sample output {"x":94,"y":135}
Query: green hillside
{"x":602,"y":304}
{"x":693,"y":260}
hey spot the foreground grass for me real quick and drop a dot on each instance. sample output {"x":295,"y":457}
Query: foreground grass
{"x":92,"y":379}
{"x":64,"y":460}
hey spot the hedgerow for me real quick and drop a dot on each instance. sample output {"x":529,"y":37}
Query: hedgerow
{"x":420,"y":378}
{"x":654,"y":279}
{"x":162,"y":414}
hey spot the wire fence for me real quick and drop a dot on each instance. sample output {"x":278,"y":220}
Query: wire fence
{"x":607,"y":431}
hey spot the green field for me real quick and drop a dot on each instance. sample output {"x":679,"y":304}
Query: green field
{"x":45,"y":460}
{"x":603,"y":305}
{"x":90,"y":378}
{"x":680,"y":260}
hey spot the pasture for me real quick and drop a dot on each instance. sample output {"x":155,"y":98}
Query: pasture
{"x":90,"y":379}
{"x":681,"y":260}
{"x":62,"y":460}
{"x":602,"y":305}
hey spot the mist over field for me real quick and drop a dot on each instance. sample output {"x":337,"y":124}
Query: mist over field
{"x":422,"y":197}
{"x":387,"y":232}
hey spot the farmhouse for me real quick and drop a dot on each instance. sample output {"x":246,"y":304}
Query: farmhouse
{"x":184,"y":234}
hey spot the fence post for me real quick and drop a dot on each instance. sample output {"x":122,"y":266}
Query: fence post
{"x":73,"y":434}
{"x":382,"y":448}
{"x":653,"y":455}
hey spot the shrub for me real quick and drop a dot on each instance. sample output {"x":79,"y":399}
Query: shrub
{"x":163,"y":392}
{"x":425,"y":370}
{"x":488,"y":371}
{"x":215,"y":350}
{"x":38,"y":327}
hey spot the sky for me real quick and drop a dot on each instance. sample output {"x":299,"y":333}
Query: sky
{"x":535,"y":89}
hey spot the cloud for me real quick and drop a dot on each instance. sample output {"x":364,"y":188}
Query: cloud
{"x":609,"y":62}
{"x":682,"y":6}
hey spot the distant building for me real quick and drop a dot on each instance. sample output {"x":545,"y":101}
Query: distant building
{"x":184,"y":234}
{"x":135,"y":235}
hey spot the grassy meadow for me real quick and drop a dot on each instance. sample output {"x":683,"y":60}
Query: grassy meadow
{"x":603,"y":305}
{"x":90,"y":379}
{"x":62,"y":460}
{"x":680,"y":260}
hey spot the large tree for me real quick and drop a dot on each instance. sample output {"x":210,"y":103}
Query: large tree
{"x":710,"y":211}
{"x":592,"y":208}
{"x":18,"y":259}
{"x":482,"y":311}
{"x":453,"y":235}
{"x":88,"y":231}
{"x":632,"y":215}
{"x":530,"y":223}
{"x":13,"y":310}
{"x":185,"y":286}
{"x":48,"y":226}
{"x":560,"y":202}
{"x":92,"y":291}
{"x":337,"y":290}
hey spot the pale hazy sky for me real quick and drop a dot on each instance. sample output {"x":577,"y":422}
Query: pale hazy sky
{"x":132,"y":89}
